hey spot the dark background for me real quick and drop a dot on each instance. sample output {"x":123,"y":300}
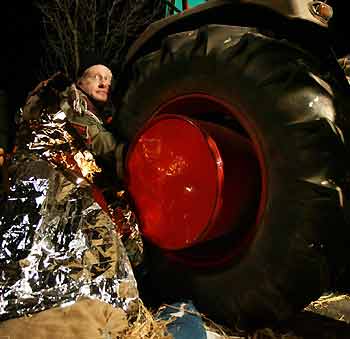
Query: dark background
{"x":22,"y":51}
{"x":340,"y":26}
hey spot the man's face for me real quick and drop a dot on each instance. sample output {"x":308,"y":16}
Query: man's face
{"x":96,"y":81}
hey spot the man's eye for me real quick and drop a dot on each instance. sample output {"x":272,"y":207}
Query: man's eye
{"x":100,"y":78}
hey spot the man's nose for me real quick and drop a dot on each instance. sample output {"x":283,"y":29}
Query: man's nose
{"x":104,"y":83}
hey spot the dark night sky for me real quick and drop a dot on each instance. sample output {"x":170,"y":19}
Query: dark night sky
{"x":340,"y":25}
{"x":21,"y":48}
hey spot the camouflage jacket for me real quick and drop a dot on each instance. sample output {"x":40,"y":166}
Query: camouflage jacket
{"x":82,"y":114}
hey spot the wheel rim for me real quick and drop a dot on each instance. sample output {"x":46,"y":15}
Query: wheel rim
{"x":216,"y":232}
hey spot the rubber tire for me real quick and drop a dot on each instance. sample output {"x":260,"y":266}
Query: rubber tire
{"x":295,"y":254}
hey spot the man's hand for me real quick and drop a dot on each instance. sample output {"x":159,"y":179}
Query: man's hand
{"x":4,"y":179}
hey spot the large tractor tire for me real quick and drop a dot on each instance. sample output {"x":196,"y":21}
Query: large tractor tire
{"x":271,"y":92}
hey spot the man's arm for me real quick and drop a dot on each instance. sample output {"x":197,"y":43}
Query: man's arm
{"x":45,"y":94}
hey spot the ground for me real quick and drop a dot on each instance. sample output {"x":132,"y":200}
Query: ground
{"x":326,"y":318}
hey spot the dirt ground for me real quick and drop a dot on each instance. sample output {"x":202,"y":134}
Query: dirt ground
{"x":326,"y":318}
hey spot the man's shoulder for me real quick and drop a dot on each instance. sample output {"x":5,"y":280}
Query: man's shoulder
{"x":73,"y":101}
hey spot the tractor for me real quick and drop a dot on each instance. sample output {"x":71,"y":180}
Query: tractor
{"x":235,"y":116}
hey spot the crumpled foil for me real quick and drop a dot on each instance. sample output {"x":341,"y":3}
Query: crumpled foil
{"x":57,"y":243}
{"x":128,"y":228}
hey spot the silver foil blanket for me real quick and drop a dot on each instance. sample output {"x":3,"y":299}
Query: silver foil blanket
{"x":57,"y":244}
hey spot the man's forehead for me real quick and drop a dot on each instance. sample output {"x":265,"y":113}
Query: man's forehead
{"x":98,"y":69}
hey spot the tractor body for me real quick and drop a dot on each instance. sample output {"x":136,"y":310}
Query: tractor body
{"x":300,"y":20}
{"x":234,"y":113}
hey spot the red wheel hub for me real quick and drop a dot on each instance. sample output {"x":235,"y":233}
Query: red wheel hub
{"x":191,"y":181}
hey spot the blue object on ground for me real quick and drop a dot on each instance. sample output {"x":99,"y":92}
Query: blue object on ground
{"x":188,"y":323}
